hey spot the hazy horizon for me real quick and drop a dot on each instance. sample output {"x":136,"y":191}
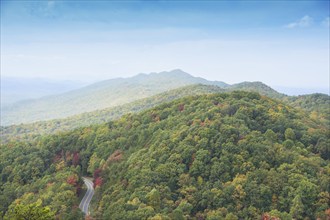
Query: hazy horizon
{"x":283,"y":44}
{"x":76,"y":84}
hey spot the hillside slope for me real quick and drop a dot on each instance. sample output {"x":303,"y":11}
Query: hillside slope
{"x":233,"y":155}
{"x":98,"y":96}
{"x":258,"y":87}
{"x":34,"y":130}
{"x":316,"y":106}
{"x":212,"y":157}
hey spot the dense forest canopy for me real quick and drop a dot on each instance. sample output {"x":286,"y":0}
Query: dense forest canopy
{"x":237,"y":155}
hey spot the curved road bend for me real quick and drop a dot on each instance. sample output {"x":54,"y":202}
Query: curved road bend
{"x":84,"y":204}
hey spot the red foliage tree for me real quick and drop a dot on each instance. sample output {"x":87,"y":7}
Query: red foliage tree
{"x":98,"y":182}
{"x":75,"y":159}
{"x":116,"y":156}
{"x":267,"y":216}
{"x":72,"y":180}
{"x":97,"y":173}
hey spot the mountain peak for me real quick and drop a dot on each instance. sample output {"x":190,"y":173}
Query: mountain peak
{"x":176,"y":73}
{"x":257,"y":86}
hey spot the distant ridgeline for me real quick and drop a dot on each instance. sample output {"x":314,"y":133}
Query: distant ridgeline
{"x":111,"y":93}
{"x":98,"y":96}
{"x":316,"y":105}
{"x":229,"y":155}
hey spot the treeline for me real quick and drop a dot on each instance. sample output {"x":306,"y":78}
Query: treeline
{"x":233,"y":155}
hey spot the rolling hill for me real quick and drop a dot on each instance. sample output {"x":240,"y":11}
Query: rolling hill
{"x":258,"y":87}
{"x":98,"y":96}
{"x":31,"y":131}
{"x":316,"y":106}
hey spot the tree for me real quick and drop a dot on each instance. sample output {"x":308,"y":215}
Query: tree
{"x":154,"y":198}
{"x":297,"y":208}
{"x":271,"y":135}
{"x":308,"y":194}
{"x":177,"y":214}
{"x":231,"y":216}
{"x":289,"y":134}
{"x":32,"y":211}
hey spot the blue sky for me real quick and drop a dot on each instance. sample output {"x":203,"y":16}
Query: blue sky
{"x":280,"y":43}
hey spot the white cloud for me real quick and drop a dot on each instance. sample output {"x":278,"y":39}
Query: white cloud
{"x":326,"y":22}
{"x":305,"y":21}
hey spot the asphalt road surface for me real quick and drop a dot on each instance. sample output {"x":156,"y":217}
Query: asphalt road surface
{"x":84,"y":204}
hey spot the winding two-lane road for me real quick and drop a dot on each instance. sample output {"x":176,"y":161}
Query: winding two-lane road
{"x":84,"y":204}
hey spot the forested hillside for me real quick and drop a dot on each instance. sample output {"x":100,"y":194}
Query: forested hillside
{"x":32,"y":131}
{"x":317,"y":105}
{"x":258,"y":87}
{"x":235,"y":155}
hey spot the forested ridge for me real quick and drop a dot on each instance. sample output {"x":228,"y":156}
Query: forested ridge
{"x":235,"y":155}
{"x":316,"y":105}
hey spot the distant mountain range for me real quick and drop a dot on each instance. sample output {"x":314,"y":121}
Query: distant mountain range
{"x":316,"y":105}
{"x":14,"y":89}
{"x":116,"y":92}
{"x":104,"y":94}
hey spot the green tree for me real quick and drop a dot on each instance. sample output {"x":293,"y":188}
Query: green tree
{"x":154,"y":198}
{"x":177,"y":214}
{"x":32,"y":211}
{"x":271,"y":135}
{"x":297,"y":208}
{"x":289,"y":134}
{"x":231,"y":216}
